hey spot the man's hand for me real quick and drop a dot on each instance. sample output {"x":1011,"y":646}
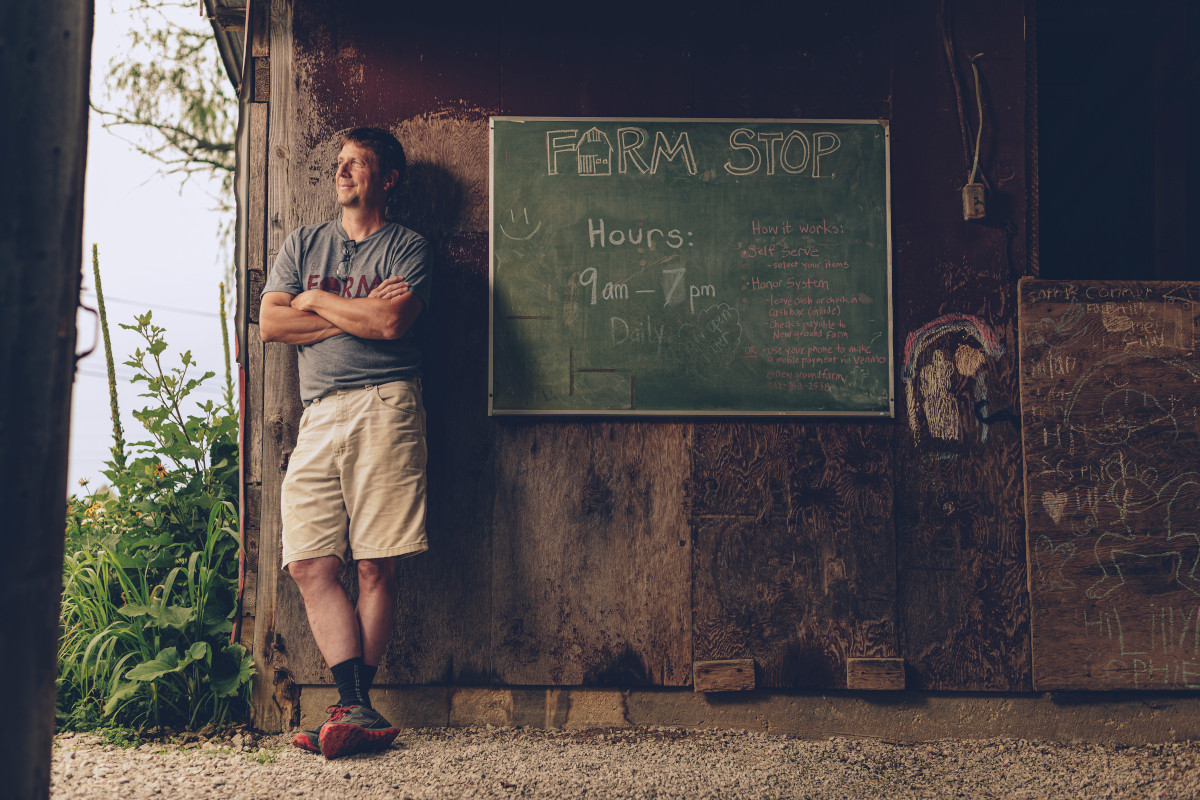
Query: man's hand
{"x":307,"y":301}
{"x":390,"y":289}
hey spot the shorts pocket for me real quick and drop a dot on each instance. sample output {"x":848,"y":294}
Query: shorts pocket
{"x":400,"y":396}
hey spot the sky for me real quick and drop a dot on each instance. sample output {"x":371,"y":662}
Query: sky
{"x":159,"y":251}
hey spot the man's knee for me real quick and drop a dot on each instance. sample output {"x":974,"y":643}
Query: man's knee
{"x":315,"y":571}
{"x":377,"y":574}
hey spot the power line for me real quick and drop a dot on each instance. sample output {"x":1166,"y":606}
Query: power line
{"x":203,"y":388}
{"x":159,"y":306}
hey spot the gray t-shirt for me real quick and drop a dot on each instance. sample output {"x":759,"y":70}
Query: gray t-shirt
{"x":309,"y":260}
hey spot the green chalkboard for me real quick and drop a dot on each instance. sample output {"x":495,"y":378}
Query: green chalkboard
{"x":688,"y":266}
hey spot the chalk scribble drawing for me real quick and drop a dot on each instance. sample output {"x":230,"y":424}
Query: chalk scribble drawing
{"x":1147,"y":501}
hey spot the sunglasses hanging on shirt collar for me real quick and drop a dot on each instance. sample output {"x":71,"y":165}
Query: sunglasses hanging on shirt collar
{"x":349,"y":248}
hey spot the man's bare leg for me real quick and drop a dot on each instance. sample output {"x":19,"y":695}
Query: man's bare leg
{"x":331,"y":615}
{"x":376,"y":606}
{"x":340,"y":631}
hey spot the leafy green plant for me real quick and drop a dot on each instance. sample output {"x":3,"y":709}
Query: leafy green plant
{"x":151,"y":572}
{"x":180,"y":630}
{"x":263,"y":756}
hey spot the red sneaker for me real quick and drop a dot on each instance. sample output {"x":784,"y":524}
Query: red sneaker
{"x":355,"y":729}
{"x":309,"y":740}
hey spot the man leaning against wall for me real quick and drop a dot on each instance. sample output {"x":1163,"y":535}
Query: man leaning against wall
{"x":346,"y":294}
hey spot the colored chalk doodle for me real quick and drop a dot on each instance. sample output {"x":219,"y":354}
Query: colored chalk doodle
{"x":928,"y":373}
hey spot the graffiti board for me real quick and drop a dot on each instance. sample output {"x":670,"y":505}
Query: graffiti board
{"x":1110,"y":407}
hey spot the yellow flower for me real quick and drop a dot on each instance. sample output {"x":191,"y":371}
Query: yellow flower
{"x":84,"y":481}
{"x":160,"y":470}
{"x":94,"y":509}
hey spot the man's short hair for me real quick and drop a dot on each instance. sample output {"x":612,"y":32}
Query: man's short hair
{"x":389,"y":154}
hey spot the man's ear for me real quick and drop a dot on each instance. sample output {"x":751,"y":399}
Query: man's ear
{"x":392,"y":177}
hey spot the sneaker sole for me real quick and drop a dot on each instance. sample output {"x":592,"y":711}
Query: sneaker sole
{"x":307,"y":741}
{"x":343,"y":740}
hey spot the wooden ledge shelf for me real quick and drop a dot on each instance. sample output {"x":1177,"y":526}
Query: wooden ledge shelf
{"x":734,"y":675}
{"x":875,"y":674}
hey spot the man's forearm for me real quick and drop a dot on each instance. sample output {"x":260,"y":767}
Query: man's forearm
{"x":365,"y":317}
{"x":281,"y":323}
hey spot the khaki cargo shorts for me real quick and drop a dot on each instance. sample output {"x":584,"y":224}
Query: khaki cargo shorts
{"x":355,"y":484}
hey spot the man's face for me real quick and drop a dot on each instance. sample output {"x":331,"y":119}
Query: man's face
{"x":358,"y":182}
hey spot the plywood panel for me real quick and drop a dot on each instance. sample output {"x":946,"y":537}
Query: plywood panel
{"x":591,"y":533}
{"x":960,"y":533}
{"x":442,"y":631}
{"x":963,"y":583}
{"x":591,"y":563}
{"x":798,"y":572}
{"x":432,"y":82}
{"x":1110,"y":381}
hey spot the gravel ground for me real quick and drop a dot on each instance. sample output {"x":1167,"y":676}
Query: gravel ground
{"x":623,"y":763}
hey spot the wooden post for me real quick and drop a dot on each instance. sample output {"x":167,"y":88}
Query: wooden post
{"x":44,"y":68}
{"x":273,"y":695}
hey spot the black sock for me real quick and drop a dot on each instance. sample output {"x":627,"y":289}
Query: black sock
{"x":353,"y":678}
{"x":367,"y":673}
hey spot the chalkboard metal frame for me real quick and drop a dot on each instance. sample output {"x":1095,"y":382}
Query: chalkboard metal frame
{"x":685,"y":412}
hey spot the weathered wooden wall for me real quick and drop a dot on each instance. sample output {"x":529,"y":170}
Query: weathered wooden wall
{"x":618,"y":553}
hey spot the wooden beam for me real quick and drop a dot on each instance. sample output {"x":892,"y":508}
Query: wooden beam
{"x":273,"y":697}
{"x":734,"y":675}
{"x":44,"y":63}
{"x":875,"y":674}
